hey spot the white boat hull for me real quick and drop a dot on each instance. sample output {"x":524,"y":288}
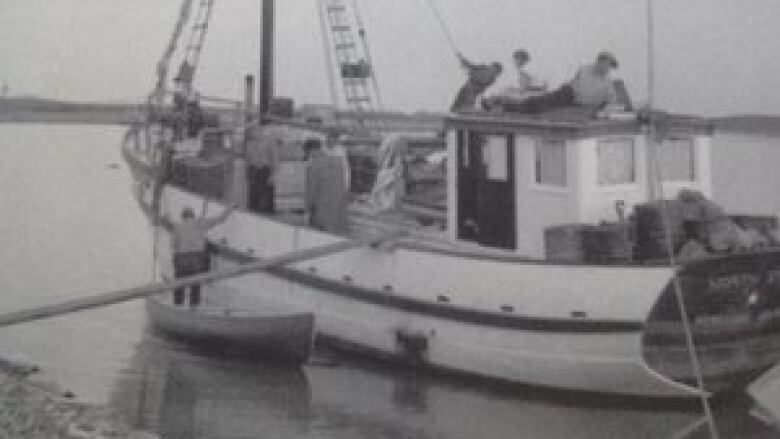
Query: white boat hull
{"x":570,"y":327}
{"x":354,"y":307}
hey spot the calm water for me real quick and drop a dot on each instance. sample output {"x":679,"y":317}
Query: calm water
{"x":69,"y":227}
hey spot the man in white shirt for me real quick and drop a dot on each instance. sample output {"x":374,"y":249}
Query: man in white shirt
{"x":592,"y":85}
{"x":591,"y":88}
{"x":189,"y":249}
{"x":527,"y":85}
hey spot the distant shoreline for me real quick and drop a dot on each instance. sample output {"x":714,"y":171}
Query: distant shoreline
{"x":36,"y":110}
{"x":66,"y":118}
{"x":31,"y":110}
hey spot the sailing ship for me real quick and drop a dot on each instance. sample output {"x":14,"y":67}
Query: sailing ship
{"x":526,"y":270}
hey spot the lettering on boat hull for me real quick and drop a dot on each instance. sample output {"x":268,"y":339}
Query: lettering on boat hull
{"x":733,"y":305}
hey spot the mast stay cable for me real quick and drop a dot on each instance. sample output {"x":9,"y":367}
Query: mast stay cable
{"x":653,"y":135}
{"x":156,"y":103}
{"x":158,"y":93}
{"x":444,"y":28}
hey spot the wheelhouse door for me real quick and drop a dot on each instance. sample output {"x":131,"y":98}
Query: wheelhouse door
{"x":469,"y":170}
{"x":486,"y":188}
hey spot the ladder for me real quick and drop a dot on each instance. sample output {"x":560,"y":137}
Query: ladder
{"x":192,"y":50}
{"x":352,"y":61}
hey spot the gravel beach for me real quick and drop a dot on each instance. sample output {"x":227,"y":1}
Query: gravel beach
{"x":32,"y":409}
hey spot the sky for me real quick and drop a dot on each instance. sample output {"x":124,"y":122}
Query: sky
{"x":712,"y":57}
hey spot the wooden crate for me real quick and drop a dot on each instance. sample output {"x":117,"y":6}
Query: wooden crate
{"x":650,"y":228}
{"x":586,"y":243}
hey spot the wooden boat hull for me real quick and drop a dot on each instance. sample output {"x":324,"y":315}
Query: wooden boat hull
{"x":281,"y":337}
{"x":566,"y":326}
{"x":733,"y":306}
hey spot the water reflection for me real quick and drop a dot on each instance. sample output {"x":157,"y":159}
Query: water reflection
{"x":182,"y":393}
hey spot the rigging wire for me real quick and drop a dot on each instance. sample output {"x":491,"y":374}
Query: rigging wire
{"x":156,"y":99}
{"x":652,"y":141}
{"x":158,"y":93}
{"x":678,"y":292}
{"x":444,"y":28}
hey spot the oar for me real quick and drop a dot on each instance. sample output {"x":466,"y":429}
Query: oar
{"x":124,"y":295}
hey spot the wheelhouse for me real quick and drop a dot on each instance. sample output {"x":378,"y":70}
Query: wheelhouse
{"x":511,"y":180}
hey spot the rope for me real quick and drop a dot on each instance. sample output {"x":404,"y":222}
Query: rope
{"x":156,"y":99}
{"x":445,"y":29}
{"x":678,"y":291}
{"x":197,"y":37}
{"x":162,"y":66}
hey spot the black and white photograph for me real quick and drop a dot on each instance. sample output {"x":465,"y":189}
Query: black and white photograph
{"x":390,"y":219}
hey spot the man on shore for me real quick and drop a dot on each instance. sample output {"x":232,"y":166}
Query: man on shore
{"x":189,"y":250}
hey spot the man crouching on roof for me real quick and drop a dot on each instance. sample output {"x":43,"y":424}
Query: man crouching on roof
{"x":480,"y":78}
{"x":189,"y":250}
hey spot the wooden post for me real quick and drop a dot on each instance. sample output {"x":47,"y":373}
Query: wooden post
{"x":249,"y":98}
{"x":124,"y":295}
{"x":266,"y":79}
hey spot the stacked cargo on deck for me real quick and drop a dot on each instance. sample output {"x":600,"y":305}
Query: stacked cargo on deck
{"x":693,"y":225}
{"x":577,"y":243}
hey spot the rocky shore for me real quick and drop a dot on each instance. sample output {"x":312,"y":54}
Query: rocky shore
{"x":30,"y":409}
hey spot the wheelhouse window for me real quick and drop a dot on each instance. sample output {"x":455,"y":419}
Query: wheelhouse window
{"x":616,"y":162}
{"x":677,"y":160}
{"x":495,"y":157}
{"x":550,"y":162}
{"x":463,"y":150}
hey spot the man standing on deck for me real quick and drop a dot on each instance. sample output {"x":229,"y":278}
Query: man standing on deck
{"x":327,"y":196}
{"x":262,"y":154}
{"x":481,"y":77}
{"x":189,"y":250}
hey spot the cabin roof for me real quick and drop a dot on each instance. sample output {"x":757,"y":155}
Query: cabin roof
{"x":575,"y":124}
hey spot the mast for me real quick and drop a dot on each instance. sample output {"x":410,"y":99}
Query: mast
{"x":265,"y":89}
{"x":651,"y":147}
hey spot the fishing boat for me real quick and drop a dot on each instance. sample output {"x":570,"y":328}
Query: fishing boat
{"x":551,"y":263}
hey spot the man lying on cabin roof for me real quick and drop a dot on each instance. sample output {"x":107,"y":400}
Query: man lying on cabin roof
{"x":591,"y":89}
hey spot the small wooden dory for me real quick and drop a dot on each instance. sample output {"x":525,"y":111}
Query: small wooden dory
{"x":283,"y":337}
